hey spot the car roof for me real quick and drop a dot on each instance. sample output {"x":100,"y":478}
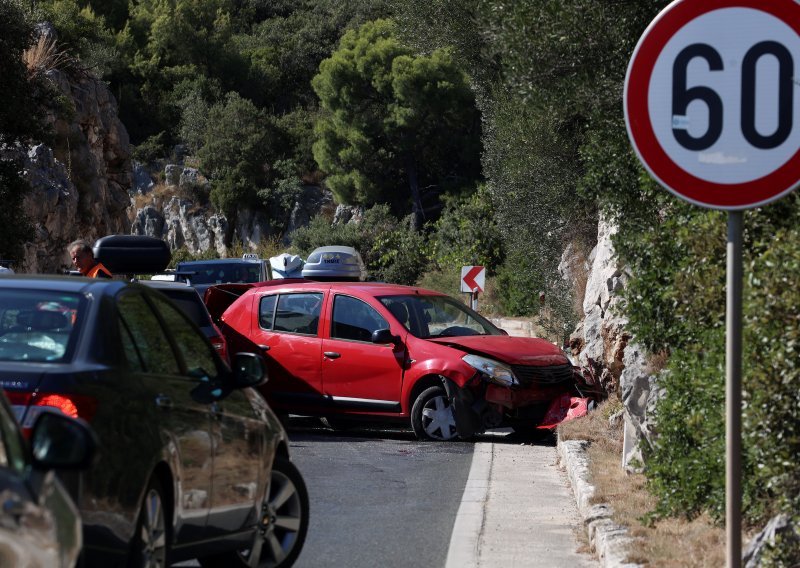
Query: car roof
{"x":220,"y":261}
{"x":77,"y":284}
{"x":167,"y":284}
{"x":370,"y":288}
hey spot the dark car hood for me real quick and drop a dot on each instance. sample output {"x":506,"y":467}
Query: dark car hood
{"x":511,"y":350}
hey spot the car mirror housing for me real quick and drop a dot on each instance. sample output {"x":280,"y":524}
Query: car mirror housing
{"x":384,"y":336}
{"x":61,"y":442}
{"x":249,"y":370}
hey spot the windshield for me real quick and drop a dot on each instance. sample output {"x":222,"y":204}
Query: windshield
{"x":37,"y":325}
{"x":437,"y":316}
{"x":221,"y":272}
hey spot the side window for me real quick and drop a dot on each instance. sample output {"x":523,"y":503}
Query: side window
{"x":197,"y":353}
{"x":298,"y":313}
{"x":147,"y":337}
{"x":132,"y":355}
{"x":355,"y":320}
{"x":266,"y":311}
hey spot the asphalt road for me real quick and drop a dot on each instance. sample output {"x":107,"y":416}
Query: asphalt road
{"x":378,"y":497}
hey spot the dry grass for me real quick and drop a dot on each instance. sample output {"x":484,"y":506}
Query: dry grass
{"x":669,"y":543}
{"x":44,"y":56}
{"x":162,"y":193}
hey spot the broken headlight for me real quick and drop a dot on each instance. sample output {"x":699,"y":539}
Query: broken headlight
{"x":495,"y":371}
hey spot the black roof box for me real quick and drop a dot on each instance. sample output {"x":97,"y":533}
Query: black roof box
{"x":132,"y":254}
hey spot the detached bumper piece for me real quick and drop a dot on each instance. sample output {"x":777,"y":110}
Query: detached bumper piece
{"x":565,"y":408}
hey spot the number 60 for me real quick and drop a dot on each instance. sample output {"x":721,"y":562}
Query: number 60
{"x":681,"y":96}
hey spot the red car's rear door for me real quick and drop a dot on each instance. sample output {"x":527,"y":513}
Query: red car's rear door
{"x":286,"y":329}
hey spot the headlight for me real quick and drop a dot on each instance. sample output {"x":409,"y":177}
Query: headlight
{"x":495,"y":371}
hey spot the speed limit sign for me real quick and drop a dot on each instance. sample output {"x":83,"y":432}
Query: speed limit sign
{"x":711,"y":100}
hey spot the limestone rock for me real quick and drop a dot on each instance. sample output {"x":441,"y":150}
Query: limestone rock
{"x":79,"y":187}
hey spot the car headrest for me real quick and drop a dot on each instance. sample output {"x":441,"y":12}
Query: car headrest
{"x":400,"y":311}
{"x":46,"y":321}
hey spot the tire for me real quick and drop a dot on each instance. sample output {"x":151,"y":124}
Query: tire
{"x":150,"y":547}
{"x":432,"y":416}
{"x":286,"y":508}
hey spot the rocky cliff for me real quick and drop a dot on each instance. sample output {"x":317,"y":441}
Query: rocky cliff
{"x":80,"y":186}
{"x":87,"y":186}
{"x":602,"y":342}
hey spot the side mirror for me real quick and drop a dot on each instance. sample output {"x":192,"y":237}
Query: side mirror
{"x":249,"y":370}
{"x":61,"y":442}
{"x":384,"y":336}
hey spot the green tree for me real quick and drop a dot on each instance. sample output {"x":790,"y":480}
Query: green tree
{"x":238,"y":144}
{"x":393,"y":124}
{"x":467,"y":233}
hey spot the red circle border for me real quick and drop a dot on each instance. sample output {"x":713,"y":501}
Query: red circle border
{"x":640,"y":130}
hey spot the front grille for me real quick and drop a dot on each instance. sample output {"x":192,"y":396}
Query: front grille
{"x":552,"y":375}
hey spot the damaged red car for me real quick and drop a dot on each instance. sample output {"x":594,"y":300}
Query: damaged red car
{"x":350,"y":351}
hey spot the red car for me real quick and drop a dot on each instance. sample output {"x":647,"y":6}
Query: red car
{"x":363,"y":350}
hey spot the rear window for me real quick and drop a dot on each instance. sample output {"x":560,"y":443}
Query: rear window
{"x":221,"y":272}
{"x":37,"y":325}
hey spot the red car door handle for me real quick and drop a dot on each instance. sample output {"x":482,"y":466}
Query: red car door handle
{"x":263,"y":347}
{"x":332,"y":354}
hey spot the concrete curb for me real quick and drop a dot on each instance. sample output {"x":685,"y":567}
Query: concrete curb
{"x":608,"y":540}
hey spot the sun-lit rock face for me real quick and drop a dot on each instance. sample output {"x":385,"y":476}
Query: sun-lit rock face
{"x":80,"y":186}
{"x":601,"y":341}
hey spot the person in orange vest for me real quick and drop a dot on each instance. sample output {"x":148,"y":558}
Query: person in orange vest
{"x":83,"y":259}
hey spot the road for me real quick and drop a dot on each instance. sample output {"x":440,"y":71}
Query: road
{"x":379,"y":498}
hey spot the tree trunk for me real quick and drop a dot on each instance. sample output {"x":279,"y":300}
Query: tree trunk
{"x":416,"y":201}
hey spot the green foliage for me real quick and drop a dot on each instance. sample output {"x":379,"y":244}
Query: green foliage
{"x":686,"y":467}
{"x":82,"y":33}
{"x":771,"y":421}
{"x":152,"y":149}
{"x":25,"y":97}
{"x":394,"y":126}
{"x":237,"y":141}
{"x":467,"y":234}
{"x":677,"y":302}
{"x":446,"y":280}
{"x":390,"y":249}
{"x":283,"y":193}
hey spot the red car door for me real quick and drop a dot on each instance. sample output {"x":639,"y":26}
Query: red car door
{"x":286,"y":329}
{"x":358,"y":375}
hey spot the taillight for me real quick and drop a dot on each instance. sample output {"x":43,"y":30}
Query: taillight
{"x":221,"y":346}
{"x":28,"y":406}
{"x":63,"y":403}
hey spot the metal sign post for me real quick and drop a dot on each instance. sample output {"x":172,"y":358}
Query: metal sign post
{"x":733,"y":391}
{"x":473,"y":281}
{"x":710,"y":109}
